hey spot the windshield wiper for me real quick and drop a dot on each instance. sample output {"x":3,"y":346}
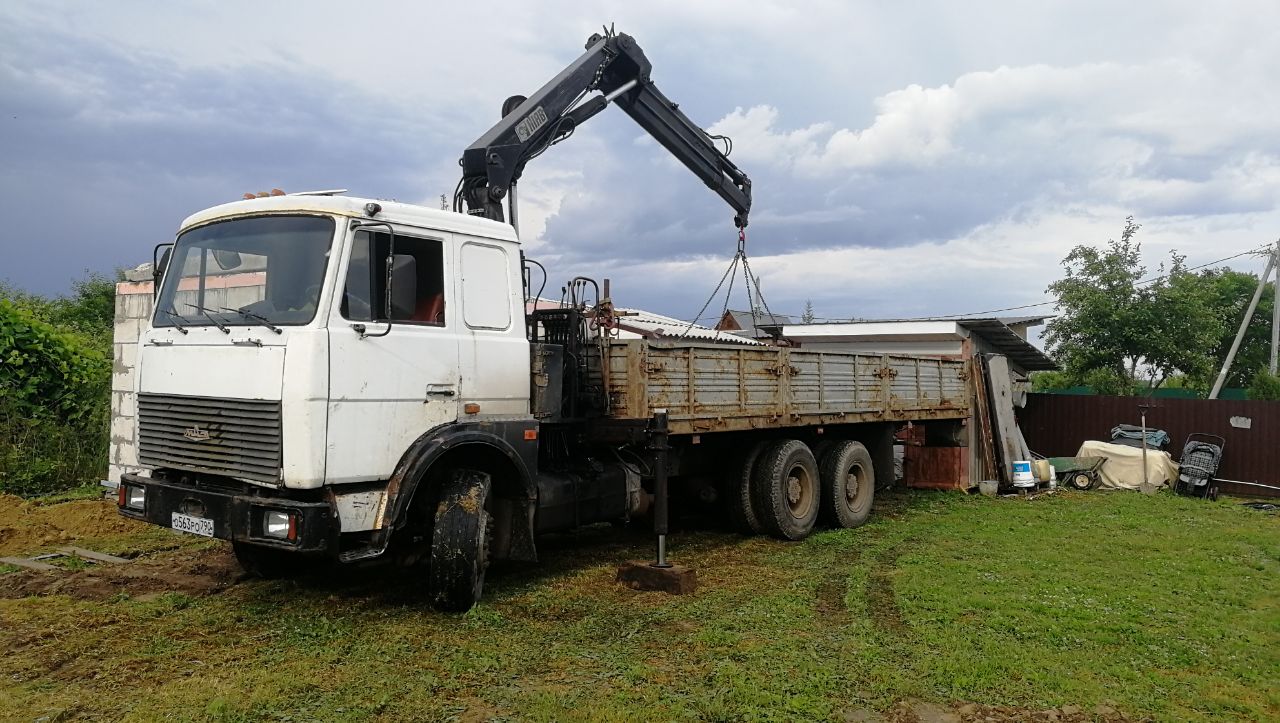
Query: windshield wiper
{"x":250,"y":315}
{"x":176,"y":318}
{"x":221,"y":327}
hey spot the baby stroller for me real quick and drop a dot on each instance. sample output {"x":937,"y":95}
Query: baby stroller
{"x":1199,"y":464}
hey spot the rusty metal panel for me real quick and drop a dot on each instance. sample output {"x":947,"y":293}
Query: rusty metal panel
{"x":833,"y":382}
{"x":936,"y":468}
{"x":1056,"y":424}
{"x":715,"y":387}
{"x":918,"y":382}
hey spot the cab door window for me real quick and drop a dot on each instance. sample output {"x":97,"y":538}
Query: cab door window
{"x":417,"y":272}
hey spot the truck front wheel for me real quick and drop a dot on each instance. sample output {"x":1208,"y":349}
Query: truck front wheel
{"x":786,"y":487}
{"x":848,"y":484}
{"x":460,"y":541}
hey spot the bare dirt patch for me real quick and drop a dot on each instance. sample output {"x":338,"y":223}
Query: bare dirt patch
{"x":191,"y":572}
{"x":915,"y":711}
{"x":26,"y":526}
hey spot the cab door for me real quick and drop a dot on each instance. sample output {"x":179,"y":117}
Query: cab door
{"x":393,"y":366}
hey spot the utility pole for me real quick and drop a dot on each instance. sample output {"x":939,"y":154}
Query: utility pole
{"x":1275,"y":312}
{"x":1272,"y":259}
{"x":1147,"y":488}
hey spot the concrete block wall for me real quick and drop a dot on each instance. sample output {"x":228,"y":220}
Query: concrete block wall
{"x":133,"y":309}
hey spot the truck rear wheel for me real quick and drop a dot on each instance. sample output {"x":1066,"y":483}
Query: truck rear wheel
{"x":848,"y":484}
{"x":742,"y":514}
{"x":786,"y":488}
{"x":460,"y":541}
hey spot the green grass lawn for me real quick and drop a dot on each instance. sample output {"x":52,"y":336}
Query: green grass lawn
{"x":1159,"y":606}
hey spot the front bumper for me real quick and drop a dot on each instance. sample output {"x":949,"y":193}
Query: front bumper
{"x":236,"y":517}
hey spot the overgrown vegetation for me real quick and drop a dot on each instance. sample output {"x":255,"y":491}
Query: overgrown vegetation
{"x":1158,"y":606}
{"x":55,"y":381}
{"x":1265,"y":386}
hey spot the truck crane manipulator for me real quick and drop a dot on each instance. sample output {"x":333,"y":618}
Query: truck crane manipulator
{"x":614,"y":65}
{"x":362,"y":382}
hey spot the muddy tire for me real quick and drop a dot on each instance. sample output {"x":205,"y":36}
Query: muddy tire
{"x":460,"y":542}
{"x":786,"y":490}
{"x":738,"y":494}
{"x":820,"y":449}
{"x":270,"y":564}
{"x":848,"y":484}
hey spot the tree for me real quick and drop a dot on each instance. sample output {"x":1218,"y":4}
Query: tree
{"x":1231,"y":292}
{"x":1045,"y":381}
{"x":1116,"y":330}
{"x":808,"y":316}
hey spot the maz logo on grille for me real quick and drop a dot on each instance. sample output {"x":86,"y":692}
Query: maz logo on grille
{"x":196,"y":434}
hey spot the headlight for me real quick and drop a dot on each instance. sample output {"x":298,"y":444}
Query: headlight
{"x":132,"y":497}
{"x":279,"y":525}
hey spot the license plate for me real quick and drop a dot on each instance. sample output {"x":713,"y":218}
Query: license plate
{"x":195,"y":525}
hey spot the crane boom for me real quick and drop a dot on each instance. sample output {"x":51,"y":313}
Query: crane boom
{"x":614,"y":65}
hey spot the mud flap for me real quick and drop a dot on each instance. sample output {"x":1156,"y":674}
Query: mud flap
{"x":460,"y":541}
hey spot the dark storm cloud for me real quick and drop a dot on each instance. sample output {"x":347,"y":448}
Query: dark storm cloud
{"x":106,"y":150}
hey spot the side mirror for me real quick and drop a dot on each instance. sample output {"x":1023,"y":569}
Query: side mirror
{"x":388,"y":301}
{"x":159,"y":266}
{"x":226,"y":259}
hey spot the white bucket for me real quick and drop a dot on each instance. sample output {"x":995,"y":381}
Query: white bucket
{"x":1022,"y":474}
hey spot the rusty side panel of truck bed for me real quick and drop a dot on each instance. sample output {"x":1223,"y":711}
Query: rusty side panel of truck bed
{"x":715,"y":387}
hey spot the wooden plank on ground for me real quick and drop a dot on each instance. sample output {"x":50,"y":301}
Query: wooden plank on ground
{"x":29,"y":564}
{"x":95,"y":556}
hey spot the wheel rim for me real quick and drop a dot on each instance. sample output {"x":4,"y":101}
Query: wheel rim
{"x":851,"y":482}
{"x":800,"y":492}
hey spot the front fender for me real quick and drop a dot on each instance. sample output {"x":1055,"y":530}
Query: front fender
{"x":508,"y":438}
{"x":516,"y":440}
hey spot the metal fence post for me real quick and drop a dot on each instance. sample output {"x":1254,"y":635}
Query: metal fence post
{"x":659,"y":431}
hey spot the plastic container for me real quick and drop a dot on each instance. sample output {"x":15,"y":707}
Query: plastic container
{"x":1022,"y":474}
{"x":988,"y":487}
{"x":1041,"y":469}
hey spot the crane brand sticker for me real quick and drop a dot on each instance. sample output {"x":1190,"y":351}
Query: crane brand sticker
{"x":531,"y":124}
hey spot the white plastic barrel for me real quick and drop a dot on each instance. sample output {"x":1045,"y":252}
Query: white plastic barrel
{"x":1022,"y":474}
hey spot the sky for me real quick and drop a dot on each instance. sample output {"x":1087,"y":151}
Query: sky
{"x":908,"y":159}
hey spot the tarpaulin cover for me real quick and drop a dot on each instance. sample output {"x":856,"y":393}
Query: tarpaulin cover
{"x":1123,"y":468}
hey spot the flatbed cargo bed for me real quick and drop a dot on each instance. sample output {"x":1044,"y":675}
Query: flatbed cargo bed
{"x":707,"y":387}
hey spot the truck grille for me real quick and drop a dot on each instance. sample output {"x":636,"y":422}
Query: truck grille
{"x":234,"y":437}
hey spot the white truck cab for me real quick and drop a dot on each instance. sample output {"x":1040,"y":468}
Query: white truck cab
{"x":302,"y":346}
{"x":277,"y":301}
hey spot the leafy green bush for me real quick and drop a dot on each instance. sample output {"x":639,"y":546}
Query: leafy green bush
{"x":54,"y":405}
{"x":1265,"y":386}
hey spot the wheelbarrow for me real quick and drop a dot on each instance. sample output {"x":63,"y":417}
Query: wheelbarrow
{"x":1078,"y":473}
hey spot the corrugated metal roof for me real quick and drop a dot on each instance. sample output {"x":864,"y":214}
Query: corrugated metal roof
{"x":994,"y":331}
{"x":656,"y":326}
{"x":1008,"y":342}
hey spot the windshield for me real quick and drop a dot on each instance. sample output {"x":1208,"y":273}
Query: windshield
{"x":249,"y":271}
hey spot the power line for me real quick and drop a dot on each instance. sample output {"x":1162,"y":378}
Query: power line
{"x":1259,"y":250}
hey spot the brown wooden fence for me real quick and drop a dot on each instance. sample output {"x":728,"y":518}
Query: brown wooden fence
{"x":1056,"y":424}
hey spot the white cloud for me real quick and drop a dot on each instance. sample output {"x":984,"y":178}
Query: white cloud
{"x":907,"y":159}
